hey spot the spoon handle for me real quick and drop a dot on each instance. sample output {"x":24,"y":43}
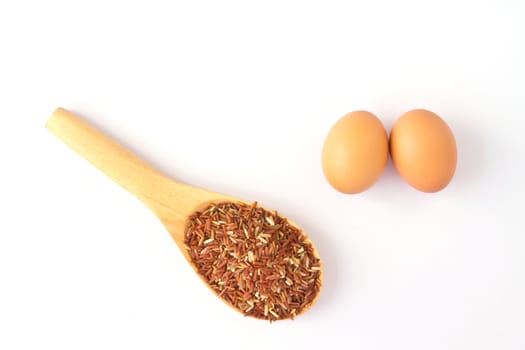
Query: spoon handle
{"x":118,"y":163}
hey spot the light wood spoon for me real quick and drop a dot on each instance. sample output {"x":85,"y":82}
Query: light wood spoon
{"x":171,"y":201}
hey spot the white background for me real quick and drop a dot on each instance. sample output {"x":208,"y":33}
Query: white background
{"x":237,"y":97}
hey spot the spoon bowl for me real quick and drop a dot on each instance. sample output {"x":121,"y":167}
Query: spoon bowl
{"x":171,"y":201}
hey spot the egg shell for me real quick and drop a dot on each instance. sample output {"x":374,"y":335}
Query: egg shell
{"x":423,"y":150}
{"x":355,"y":152}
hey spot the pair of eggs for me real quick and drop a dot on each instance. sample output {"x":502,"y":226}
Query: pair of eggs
{"x":422,"y":146}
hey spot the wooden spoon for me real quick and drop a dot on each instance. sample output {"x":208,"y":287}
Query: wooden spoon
{"x":171,"y":201}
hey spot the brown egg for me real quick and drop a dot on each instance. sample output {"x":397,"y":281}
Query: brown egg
{"x":423,"y":150}
{"x":355,"y":152}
